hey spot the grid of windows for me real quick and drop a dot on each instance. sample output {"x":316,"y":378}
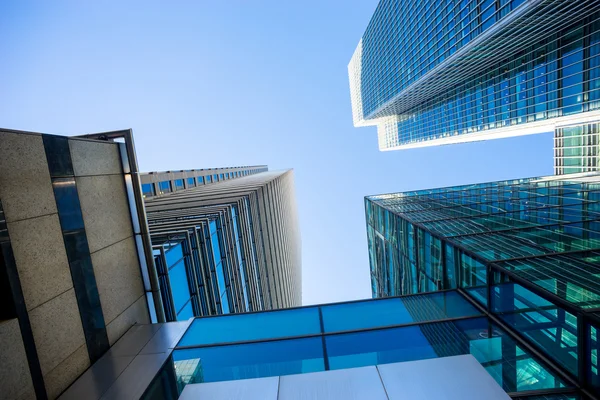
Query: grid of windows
{"x":394,"y":40}
{"x":577,"y":149}
{"x":557,"y":77}
{"x":526,"y":250}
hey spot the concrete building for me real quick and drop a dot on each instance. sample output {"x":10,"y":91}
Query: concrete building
{"x":73,"y":266}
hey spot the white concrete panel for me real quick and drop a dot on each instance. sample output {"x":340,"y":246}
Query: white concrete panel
{"x":448,"y":378}
{"x":343,"y":384}
{"x":245,"y":389}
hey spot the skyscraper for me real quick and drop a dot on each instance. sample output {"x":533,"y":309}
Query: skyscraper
{"x":525,"y":250}
{"x":225,"y":241}
{"x":431,"y":73}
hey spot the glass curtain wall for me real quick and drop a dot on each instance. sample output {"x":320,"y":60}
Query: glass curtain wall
{"x":525,"y":251}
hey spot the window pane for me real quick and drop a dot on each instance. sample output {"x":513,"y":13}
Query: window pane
{"x":186,"y":313}
{"x":179,"y":285}
{"x":242,"y":327}
{"x":372,"y":314}
{"x":257,"y":360}
{"x":148,"y":189}
{"x":497,"y":353}
{"x":553,"y":329}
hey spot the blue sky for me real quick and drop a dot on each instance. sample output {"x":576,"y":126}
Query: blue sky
{"x":224,"y":83}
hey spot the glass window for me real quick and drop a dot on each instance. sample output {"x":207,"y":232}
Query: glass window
{"x":553,"y":329}
{"x":380,"y":313}
{"x":191,"y":182}
{"x":179,"y":184}
{"x":593,"y":373}
{"x":180,"y":287}
{"x":208,"y":179}
{"x":186,"y":313}
{"x":513,"y":369}
{"x":255,"y":326}
{"x":67,"y":203}
{"x":164,"y":186}
{"x":148,"y":189}
{"x":221,"y":177}
{"x":174,"y":254}
{"x":200,"y":180}
{"x":256,"y":360}
{"x":215,"y":178}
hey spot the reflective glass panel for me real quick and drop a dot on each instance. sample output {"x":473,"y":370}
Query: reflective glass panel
{"x":509,"y":365}
{"x":379,"y":313}
{"x":256,"y":360}
{"x":553,"y":329}
{"x":255,"y":326}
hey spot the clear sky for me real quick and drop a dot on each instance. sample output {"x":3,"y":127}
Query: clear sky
{"x":222,"y":83}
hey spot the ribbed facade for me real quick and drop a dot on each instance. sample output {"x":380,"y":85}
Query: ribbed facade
{"x":485,"y":69}
{"x":228,"y":247}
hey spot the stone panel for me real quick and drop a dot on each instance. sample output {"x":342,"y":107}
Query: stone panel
{"x":95,"y":158}
{"x":15,"y":379}
{"x":118,"y":277}
{"x":137,"y":313}
{"x":41,"y":258}
{"x":25,"y":187}
{"x":57,"y":330}
{"x":66,"y":372}
{"x":105,"y":210}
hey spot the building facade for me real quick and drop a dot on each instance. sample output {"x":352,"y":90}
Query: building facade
{"x":577,"y":149}
{"x":227,"y":243}
{"x":526,"y":250}
{"x":73,"y":267}
{"x":425,"y":346}
{"x":484,"y":69}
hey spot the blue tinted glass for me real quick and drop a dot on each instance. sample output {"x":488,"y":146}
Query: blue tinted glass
{"x":148,"y":189}
{"x":165,"y":185}
{"x":208,"y":179}
{"x":215,"y":178}
{"x":190,"y":182}
{"x":257,"y":360}
{"x":186,"y":313}
{"x":240,"y":327}
{"x":174,"y":254}
{"x":378,"y":347}
{"x":550,"y":327}
{"x":593,"y":345}
{"x":221,"y":177}
{"x":67,"y":203}
{"x":200,"y":179}
{"x":179,"y":183}
{"x":372,"y":314}
{"x":179,"y":285}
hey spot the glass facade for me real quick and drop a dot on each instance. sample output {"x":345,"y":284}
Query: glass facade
{"x":526,"y":251}
{"x":577,"y":149}
{"x":355,"y":334}
{"x":222,"y":252}
{"x":549,"y":77}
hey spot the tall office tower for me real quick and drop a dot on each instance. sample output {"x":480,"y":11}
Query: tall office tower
{"x":430,"y":73}
{"x":536,"y":228}
{"x":224,"y":240}
{"x":526,"y":250}
{"x":73,"y":265}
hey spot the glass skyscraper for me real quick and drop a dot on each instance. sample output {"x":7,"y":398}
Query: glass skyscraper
{"x":224,"y":240}
{"x":430,"y":73}
{"x":526,"y":250}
